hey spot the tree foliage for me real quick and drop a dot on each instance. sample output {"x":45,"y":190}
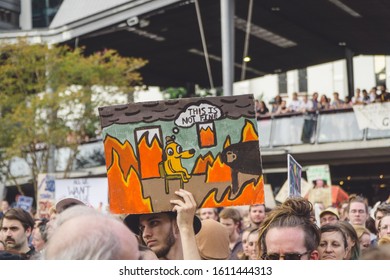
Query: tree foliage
{"x":49,"y":97}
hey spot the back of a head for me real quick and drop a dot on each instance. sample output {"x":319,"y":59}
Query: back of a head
{"x":377,"y":253}
{"x":294,"y":212}
{"x":68,"y":202}
{"x":92,"y":237}
{"x":385,"y":240}
{"x":213,"y":241}
{"x":360,"y":230}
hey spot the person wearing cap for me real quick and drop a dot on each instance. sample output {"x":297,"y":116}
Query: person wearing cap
{"x":170,"y":235}
{"x":61,"y":206}
{"x":66,"y":203}
{"x":329,"y":216}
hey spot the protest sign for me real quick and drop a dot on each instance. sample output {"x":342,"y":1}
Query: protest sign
{"x":45,"y":194}
{"x":318,"y":172}
{"x":374,"y":116}
{"x":294,"y":177}
{"x":25,"y":202}
{"x":92,"y":191}
{"x":208,"y":146}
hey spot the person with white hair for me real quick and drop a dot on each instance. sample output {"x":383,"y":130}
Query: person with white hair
{"x":90,"y":235}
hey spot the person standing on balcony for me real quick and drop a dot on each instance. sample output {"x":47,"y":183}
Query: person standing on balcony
{"x":282,"y":109}
{"x":276,"y":102}
{"x":337,"y":103}
{"x":373,"y":95}
{"x":324,"y":103}
{"x":314,"y":101}
{"x":384,"y":95}
{"x":306,"y":105}
{"x":263,"y":109}
{"x":295,"y":103}
{"x":365,"y":98}
{"x":357,"y":98}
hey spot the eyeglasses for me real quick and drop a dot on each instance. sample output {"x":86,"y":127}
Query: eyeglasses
{"x":287,"y":256}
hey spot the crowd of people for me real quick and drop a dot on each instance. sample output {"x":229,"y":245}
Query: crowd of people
{"x":278,"y":105}
{"x":289,"y":231}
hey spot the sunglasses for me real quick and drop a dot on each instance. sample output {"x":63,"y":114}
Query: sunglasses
{"x":287,"y":256}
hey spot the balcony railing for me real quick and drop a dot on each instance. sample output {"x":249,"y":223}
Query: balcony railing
{"x":330,"y":126}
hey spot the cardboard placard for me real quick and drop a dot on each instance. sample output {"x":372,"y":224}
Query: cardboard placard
{"x":294,"y":177}
{"x":25,"y":202}
{"x":208,"y":146}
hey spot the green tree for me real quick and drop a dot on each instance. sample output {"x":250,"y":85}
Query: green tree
{"x":49,"y":98}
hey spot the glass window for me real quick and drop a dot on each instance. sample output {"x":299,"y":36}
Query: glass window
{"x":302,"y":80}
{"x":282,"y":82}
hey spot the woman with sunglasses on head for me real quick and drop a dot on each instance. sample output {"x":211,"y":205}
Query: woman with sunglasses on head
{"x":333,"y":243}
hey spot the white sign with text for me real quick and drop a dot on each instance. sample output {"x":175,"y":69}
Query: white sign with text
{"x":93,"y":191}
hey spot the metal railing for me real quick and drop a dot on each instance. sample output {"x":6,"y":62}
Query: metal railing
{"x":330,"y":126}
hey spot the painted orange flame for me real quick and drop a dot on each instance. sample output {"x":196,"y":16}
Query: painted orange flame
{"x":202,"y":162}
{"x":127,"y":158}
{"x":125,"y":195}
{"x":218,"y":171}
{"x":207,"y":137}
{"x":249,"y":132}
{"x":149,"y":156}
{"x":227,"y":142}
{"x":251,"y":194}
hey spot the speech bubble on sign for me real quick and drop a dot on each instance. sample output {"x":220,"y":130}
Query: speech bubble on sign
{"x":198,"y":114}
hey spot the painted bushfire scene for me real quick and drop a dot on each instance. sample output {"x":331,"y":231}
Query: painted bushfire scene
{"x":208,"y":146}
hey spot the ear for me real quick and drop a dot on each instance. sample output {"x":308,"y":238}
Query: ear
{"x":346,"y":253}
{"x":314,"y":255}
{"x":176,"y":230}
{"x":28,"y":231}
